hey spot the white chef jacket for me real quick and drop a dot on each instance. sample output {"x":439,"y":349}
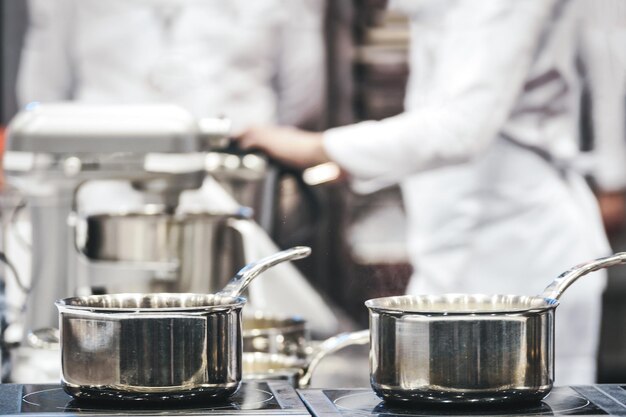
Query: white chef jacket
{"x":256,"y":62}
{"x":603,"y":55}
{"x":481,"y":154}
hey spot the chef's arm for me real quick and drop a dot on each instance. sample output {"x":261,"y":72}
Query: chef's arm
{"x":481,"y":66}
{"x":300,"y":77}
{"x":45,"y":72}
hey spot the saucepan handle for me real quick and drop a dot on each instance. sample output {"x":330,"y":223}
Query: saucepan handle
{"x":333,"y":344}
{"x":47,"y":338}
{"x":567,"y":278}
{"x":243,"y":278}
{"x":243,"y":229}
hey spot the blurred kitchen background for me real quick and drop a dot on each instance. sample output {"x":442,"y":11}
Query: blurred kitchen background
{"x":357,"y":240}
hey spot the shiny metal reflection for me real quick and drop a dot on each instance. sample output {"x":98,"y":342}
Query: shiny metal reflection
{"x":275,"y":334}
{"x":462,"y":349}
{"x":150,"y":346}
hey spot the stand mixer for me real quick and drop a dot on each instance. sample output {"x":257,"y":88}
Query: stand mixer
{"x":53,"y":149}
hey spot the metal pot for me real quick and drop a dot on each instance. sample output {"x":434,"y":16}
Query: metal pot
{"x":468,"y":348}
{"x":297,"y":370}
{"x":201,"y":250}
{"x":274,"y":334}
{"x":278,"y":347}
{"x":157,"y":346}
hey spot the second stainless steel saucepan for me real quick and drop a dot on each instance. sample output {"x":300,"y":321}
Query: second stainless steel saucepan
{"x":168,"y":347}
{"x":468,"y":348}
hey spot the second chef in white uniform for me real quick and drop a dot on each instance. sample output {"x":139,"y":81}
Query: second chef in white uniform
{"x":482,"y":154}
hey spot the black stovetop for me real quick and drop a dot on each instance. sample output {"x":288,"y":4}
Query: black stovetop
{"x":253,"y":399}
{"x":266,"y":399}
{"x":595,"y":400}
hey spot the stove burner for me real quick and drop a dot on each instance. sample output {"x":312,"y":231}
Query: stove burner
{"x":55,"y":399}
{"x":368,"y":404}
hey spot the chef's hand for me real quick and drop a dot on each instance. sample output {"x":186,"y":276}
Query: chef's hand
{"x":293,"y":147}
{"x":613,"y":210}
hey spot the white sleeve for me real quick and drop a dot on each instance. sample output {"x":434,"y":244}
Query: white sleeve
{"x":481,"y":65}
{"x":300,"y":77}
{"x":603,"y":43}
{"x":45,"y":72}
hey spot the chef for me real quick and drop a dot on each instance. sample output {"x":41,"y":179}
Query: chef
{"x":603,"y":27}
{"x":254,"y":62}
{"x":483,"y":155}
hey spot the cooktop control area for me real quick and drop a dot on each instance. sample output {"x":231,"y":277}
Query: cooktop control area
{"x":596,"y":400}
{"x":252,"y":399}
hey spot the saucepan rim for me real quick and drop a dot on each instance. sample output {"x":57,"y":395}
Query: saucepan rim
{"x":82,"y":304}
{"x":158,"y":211}
{"x":451,"y":304}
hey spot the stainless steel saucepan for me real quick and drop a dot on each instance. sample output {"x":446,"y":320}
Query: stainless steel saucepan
{"x":468,"y":348}
{"x":298,"y":370}
{"x":157,"y":346}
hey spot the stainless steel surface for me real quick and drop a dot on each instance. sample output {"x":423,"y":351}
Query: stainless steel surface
{"x":53,"y":148}
{"x":169,"y":186}
{"x":150,"y":346}
{"x":458,"y":304}
{"x":157,"y":346}
{"x":214,"y":132}
{"x":273,"y":334}
{"x":147,"y":236}
{"x":46,"y":338}
{"x":279,"y":347}
{"x":468,"y":348}
{"x":298,"y":371}
{"x":250,"y":179}
{"x":461,"y":349}
{"x":272,"y":367}
{"x":99,"y":129}
{"x":53,"y":265}
{"x":567,"y":278}
{"x":243,"y":278}
{"x":329,"y":346}
{"x":348,"y":368}
{"x":201,"y":250}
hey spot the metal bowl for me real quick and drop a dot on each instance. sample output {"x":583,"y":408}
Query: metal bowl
{"x":203,"y":249}
{"x":275,"y":334}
